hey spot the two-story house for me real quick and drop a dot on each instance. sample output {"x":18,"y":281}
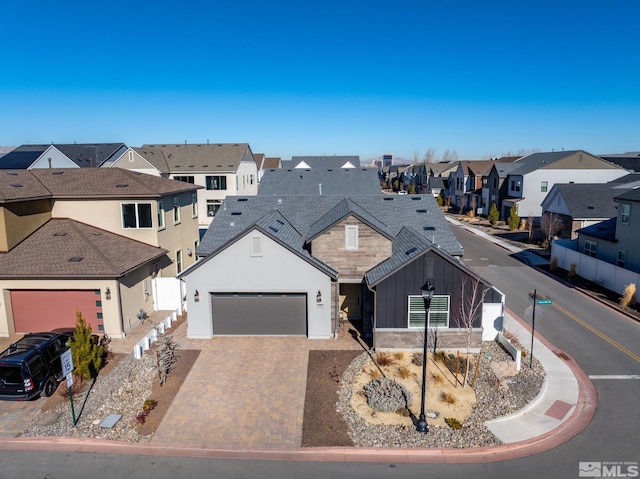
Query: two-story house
{"x":533,"y":176}
{"x":89,"y":239}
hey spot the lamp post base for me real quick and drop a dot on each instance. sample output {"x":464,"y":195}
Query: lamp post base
{"x":421,"y":425}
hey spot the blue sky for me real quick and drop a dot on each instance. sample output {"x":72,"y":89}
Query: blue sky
{"x":345,"y":77}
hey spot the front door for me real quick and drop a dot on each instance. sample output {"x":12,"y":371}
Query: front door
{"x":350,"y":301}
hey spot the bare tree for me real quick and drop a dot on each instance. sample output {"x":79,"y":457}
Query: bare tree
{"x":550,"y":226}
{"x":471,"y":301}
{"x":449,"y":155}
{"x":430,"y":155}
{"x":530,"y":227}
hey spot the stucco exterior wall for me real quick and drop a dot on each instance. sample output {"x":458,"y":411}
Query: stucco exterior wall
{"x":131,"y":160}
{"x":19,"y":220}
{"x":373,"y":248}
{"x":276,"y":270}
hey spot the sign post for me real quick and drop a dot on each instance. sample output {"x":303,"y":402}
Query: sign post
{"x":67,"y":370}
{"x":536,"y":300}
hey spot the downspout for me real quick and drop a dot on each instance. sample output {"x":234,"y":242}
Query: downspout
{"x":375,"y":317}
{"x":336,"y":307}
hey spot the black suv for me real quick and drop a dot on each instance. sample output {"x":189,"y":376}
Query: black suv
{"x":31,"y":366}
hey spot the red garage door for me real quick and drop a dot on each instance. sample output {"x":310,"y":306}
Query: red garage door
{"x":46,"y":310}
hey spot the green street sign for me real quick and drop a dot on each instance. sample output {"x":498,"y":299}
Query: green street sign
{"x":544,"y":301}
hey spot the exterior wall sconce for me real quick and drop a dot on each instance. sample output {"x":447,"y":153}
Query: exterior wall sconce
{"x":319,"y":297}
{"x":196,"y":296}
{"x":189,"y":252}
{"x":107,"y":293}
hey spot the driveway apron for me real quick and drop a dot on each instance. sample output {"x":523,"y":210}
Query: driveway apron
{"x":241,"y":392}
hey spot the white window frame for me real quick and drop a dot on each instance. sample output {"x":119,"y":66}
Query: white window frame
{"x":544,"y":186}
{"x":137,"y":217}
{"x":176,"y":210}
{"x":438,"y":316}
{"x":216,"y":204}
{"x":591,"y":248}
{"x":161,"y":224}
{"x":255,"y":246}
{"x":625,"y":213}
{"x":351,"y":237}
{"x":194,"y":205}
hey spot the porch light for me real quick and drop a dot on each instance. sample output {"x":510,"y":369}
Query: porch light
{"x":196,"y":296}
{"x":319,"y":297}
{"x":107,"y":293}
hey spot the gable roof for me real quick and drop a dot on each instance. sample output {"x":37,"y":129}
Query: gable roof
{"x":271,"y":162}
{"x":605,"y":230}
{"x":590,"y":200}
{"x":352,"y":161}
{"x":87,"y":155}
{"x":440,"y":168}
{"x":183,"y":158}
{"x":388,"y":213}
{"x":155,"y":157}
{"x":22,"y":157}
{"x":537,"y":161}
{"x":631,"y":195}
{"x":320,"y":181}
{"x":64,"y":249}
{"x":17,"y":185}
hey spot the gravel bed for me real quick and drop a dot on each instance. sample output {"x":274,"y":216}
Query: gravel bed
{"x":122,"y":391}
{"x":492,"y":402}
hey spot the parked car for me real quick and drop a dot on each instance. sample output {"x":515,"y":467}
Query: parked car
{"x":31,"y":366}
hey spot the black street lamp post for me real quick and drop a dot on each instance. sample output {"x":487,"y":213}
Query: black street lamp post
{"x":427,"y":295}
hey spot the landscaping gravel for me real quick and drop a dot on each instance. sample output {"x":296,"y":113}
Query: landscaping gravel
{"x":492,"y":401}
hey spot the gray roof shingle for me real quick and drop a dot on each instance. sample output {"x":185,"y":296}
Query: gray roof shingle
{"x":183,"y":158}
{"x":589,"y":200}
{"x":320,"y":181}
{"x":322,"y":161}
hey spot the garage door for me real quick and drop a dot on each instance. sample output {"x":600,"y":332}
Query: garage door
{"x":259,"y":314}
{"x":38,"y":310}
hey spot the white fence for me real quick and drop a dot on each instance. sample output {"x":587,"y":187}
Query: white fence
{"x":600,"y":272}
{"x":168,"y":294}
{"x":145,"y":343}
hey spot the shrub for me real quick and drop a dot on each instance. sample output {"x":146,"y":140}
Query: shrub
{"x":494,"y":215}
{"x":449,"y":397}
{"x":334,"y":373}
{"x":437,"y":378}
{"x":629,"y":295}
{"x":386,"y":395}
{"x":416,"y":359}
{"x":398,"y":355}
{"x":149,"y":404}
{"x":553,"y":264}
{"x":374,"y":373}
{"x":572,"y":271}
{"x":404,"y":372}
{"x":453,"y":423}
{"x":514,"y":219}
{"x":384,"y":359}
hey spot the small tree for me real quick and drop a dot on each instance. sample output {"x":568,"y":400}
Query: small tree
{"x":530,"y":227}
{"x":86,"y":354}
{"x":472,"y":297}
{"x":550,"y":226}
{"x":494,"y":215}
{"x":440,"y":198}
{"x":514,"y":219}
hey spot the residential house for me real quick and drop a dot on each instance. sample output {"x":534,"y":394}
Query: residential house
{"x":306,"y":162}
{"x":221,"y":169}
{"x":320,"y":181}
{"x":572,"y":206}
{"x":418,"y":178}
{"x":149,"y":161}
{"x":495,"y":186}
{"x":442,"y":170}
{"x":533,"y":176}
{"x":85,"y":155}
{"x":300,"y":264}
{"x":265,"y":163}
{"x":90,"y":239}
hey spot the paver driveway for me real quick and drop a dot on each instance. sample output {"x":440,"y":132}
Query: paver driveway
{"x":241,"y":392}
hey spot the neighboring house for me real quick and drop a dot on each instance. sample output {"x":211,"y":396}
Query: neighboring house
{"x":91,"y":239}
{"x":142,"y":160}
{"x":418,"y":177}
{"x":629,"y":161}
{"x":439,"y":186}
{"x":572,"y":206}
{"x":320,"y":181}
{"x":533,"y":176}
{"x":306,"y":162}
{"x":495,"y":186}
{"x":221,"y":169}
{"x":84,"y":155}
{"x":607,"y":252}
{"x":298,"y":265}
{"x":265,"y":163}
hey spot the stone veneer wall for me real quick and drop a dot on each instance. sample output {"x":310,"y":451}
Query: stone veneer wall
{"x":412,"y":339}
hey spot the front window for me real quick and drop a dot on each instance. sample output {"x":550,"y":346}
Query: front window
{"x":438,"y":312}
{"x":216,"y":182}
{"x":160,"y":215}
{"x":543,"y":186}
{"x":194,"y":205}
{"x":186,"y":179}
{"x":176,"y":210}
{"x":515,"y":185}
{"x":625,"y":213}
{"x":179,"y":261}
{"x":136,"y":215}
{"x":212,"y":207}
{"x":590,"y":248}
